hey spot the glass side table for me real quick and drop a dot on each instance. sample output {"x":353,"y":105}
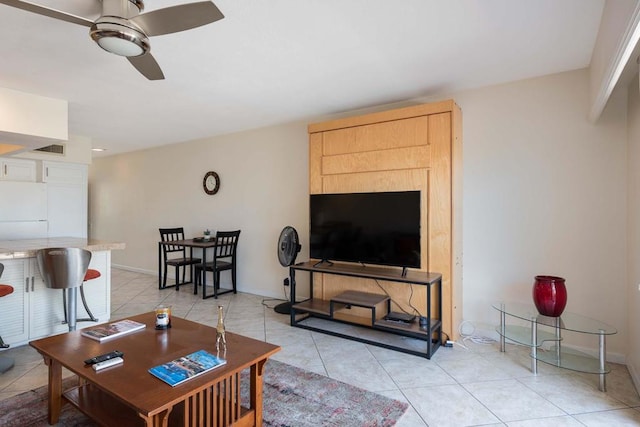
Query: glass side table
{"x":541,"y":329}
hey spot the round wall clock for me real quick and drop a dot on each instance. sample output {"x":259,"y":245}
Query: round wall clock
{"x":211,"y":183}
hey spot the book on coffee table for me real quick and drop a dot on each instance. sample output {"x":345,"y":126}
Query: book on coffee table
{"x":112,"y":330}
{"x":184,"y":368}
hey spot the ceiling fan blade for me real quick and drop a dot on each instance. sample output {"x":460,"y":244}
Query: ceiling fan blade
{"x":178,"y":18}
{"x":45,"y":11}
{"x":147,"y":66}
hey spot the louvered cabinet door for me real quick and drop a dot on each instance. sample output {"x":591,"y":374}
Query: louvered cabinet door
{"x":14,"y":319}
{"x":46,"y":310}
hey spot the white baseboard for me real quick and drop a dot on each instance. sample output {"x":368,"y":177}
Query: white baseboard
{"x":264,"y":292}
{"x":134,"y":269}
{"x":635,"y":375}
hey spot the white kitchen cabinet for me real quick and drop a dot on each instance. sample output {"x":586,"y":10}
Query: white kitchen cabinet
{"x":67,"y":187}
{"x":46,"y":312}
{"x":17,"y":170}
{"x":34,"y":311}
{"x":14,"y":308}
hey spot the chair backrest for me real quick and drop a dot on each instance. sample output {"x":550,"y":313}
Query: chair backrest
{"x":171,"y":235}
{"x":63,"y":268}
{"x":226,"y":244}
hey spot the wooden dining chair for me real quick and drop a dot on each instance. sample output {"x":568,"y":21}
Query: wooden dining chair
{"x":176,"y":257}
{"x":224,"y":258}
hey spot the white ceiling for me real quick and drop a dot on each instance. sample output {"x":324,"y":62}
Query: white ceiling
{"x":270,"y":62}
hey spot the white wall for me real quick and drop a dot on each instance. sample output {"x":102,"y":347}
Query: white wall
{"x":544,"y":193}
{"x":264,"y":187}
{"x":633,"y":168}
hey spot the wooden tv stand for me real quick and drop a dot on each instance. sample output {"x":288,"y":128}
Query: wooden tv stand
{"x":322,"y":315}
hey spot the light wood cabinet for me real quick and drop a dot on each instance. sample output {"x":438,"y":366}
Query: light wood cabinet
{"x":413,"y":148}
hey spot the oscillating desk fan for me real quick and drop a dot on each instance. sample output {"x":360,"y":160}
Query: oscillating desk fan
{"x":288,"y":248}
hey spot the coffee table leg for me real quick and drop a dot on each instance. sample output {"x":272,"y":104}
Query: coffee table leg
{"x":55,"y":390}
{"x":158,"y":420}
{"x":503,"y":328}
{"x":534,"y":346}
{"x":602,"y":347}
{"x":257,"y":371}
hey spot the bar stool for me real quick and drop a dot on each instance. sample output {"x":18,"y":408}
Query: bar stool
{"x":65,"y":268}
{"x":91,"y":274}
{"x":6,"y":363}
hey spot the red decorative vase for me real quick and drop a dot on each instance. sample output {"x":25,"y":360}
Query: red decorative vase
{"x":550,"y":295}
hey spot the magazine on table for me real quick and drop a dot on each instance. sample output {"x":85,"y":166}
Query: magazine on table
{"x":180,"y":370}
{"x":112,"y":330}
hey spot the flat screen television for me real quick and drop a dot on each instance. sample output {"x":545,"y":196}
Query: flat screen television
{"x":371,"y":228}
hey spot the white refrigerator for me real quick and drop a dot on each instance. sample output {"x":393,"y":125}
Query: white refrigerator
{"x":23,"y":210}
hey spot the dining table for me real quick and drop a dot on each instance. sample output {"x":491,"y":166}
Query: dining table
{"x":198,"y":243}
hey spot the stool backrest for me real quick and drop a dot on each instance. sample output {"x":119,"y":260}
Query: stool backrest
{"x":63,"y":268}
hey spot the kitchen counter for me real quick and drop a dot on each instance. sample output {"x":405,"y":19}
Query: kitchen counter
{"x":33,"y":310}
{"x":26,"y":248}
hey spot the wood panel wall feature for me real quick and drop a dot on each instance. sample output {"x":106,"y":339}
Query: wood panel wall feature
{"x":394,"y":180}
{"x":367,"y":161}
{"x":413,"y":148}
{"x":378,"y":136}
{"x":315,"y":163}
{"x":440,"y":210}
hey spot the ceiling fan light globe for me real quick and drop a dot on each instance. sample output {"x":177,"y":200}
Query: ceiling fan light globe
{"x":120,"y":46}
{"x":119,"y":37}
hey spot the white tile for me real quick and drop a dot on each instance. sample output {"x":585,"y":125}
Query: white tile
{"x":510,"y":400}
{"x":564,"y":421}
{"x":618,"y":418}
{"x":473,"y":369}
{"x":363,"y":373}
{"x":298,"y":355}
{"x":571,"y":394}
{"x":449,"y":405}
{"x":416,"y":372}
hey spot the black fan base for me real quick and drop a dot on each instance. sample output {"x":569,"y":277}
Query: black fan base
{"x":284,"y":308}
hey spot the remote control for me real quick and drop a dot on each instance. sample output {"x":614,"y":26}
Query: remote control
{"x":107,"y":363}
{"x":104,"y":357}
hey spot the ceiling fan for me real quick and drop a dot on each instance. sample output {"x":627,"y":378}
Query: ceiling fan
{"x":121,"y":28}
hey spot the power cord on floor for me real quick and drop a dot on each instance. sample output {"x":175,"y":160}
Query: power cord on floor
{"x":265,"y":302}
{"x":286,"y":297}
{"x":470,"y":335}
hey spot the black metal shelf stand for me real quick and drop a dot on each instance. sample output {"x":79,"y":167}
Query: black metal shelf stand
{"x":409,"y":337}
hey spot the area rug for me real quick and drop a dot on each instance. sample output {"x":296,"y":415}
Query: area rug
{"x":293,"y":397}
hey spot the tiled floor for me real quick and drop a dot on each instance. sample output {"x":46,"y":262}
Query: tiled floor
{"x":457,"y":387}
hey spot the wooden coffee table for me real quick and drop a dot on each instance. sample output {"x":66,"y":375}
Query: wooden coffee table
{"x":128,"y":395}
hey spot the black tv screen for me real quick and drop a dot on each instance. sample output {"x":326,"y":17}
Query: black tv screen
{"x":371,"y":228}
